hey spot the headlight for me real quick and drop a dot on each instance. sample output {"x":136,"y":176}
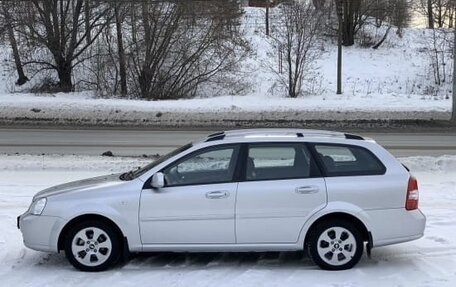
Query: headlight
{"x":37,"y":206}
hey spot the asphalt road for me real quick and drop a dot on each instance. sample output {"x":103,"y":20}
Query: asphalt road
{"x":139,"y":142}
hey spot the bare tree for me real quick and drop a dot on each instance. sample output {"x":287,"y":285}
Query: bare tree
{"x":439,"y":13}
{"x":352,"y":21}
{"x":439,"y":51}
{"x":60,"y":27}
{"x":8,"y":20}
{"x":319,"y":4}
{"x":400,"y":14}
{"x":430,"y":14}
{"x":120,"y":48}
{"x":268,"y":3}
{"x":180,"y":46}
{"x":394,"y":13}
{"x":133,"y":22}
{"x":298,"y":36}
{"x":88,"y":29}
{"x":356,"y":13}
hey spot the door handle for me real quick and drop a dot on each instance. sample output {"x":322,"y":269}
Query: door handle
{"x":307,"y":189}
{"x":217,"y":194}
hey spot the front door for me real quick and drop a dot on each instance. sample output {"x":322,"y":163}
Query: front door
{"x":282,"y":188}
{"x":196,"y":206}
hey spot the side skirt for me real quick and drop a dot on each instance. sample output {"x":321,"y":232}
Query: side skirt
{"x":221,"y":247}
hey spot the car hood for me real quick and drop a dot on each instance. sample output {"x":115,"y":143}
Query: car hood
{"x":80,"y":185}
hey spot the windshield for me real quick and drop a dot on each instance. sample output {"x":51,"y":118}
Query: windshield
{"x":140,"y":171}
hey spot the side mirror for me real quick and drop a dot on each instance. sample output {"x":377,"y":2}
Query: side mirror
{"x":158,"y":180}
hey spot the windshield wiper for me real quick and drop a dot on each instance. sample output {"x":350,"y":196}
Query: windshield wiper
{"x":123,"y":176}
{"x":129,"y":175}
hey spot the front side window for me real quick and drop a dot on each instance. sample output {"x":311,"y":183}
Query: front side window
{"x":213,"y":165}
{"x":277,"y":161}
{"x":136,"y":173}
{"x":345,"y":160}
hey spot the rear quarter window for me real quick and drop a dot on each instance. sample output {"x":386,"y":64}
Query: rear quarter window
{"x":348,"y":160}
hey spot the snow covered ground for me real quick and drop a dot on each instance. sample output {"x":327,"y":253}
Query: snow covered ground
{"x":430,"y":261}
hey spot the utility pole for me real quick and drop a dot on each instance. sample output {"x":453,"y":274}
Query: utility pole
{"x":453,"y":114}
{"x":339,"y":5}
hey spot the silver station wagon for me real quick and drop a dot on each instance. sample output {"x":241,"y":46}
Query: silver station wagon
{"x":330,"y":194}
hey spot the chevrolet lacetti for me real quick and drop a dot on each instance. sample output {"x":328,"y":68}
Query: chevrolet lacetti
{"x":328,"y":193}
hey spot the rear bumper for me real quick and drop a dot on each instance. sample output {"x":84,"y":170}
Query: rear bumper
{"x":40,"y":232}
{"x":395,"y":225}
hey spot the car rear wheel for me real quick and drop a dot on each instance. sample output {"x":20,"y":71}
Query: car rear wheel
{"x":92,"y":246}
{"x":335,"y":245}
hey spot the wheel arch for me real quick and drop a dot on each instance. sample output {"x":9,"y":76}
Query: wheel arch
{"x":366,"y":236}
{"x":90,"y":217}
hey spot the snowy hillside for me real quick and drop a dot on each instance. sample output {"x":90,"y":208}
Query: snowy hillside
{"x":396,"y":77}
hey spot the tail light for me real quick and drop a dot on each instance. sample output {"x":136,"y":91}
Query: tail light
{"x":411,"y":202}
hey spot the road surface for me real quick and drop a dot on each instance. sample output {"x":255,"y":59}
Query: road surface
{"x":140,"y":142}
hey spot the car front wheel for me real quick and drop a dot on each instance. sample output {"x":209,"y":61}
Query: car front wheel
{"x":335,"y":245}
{"x":92,"y":246}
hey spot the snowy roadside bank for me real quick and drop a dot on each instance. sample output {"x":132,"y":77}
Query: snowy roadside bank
{"x":73,"y":115}
{"x":80,"y":110}
{"x":429,"y":261}
{"x":320,"y":120}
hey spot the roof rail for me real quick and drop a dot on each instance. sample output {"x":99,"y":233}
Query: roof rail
{"x":216,"y":134}
{"x":215,"y":137}
{"x":283,"y":132}
{"x":299,"y":133}
{"x":353,"y":137}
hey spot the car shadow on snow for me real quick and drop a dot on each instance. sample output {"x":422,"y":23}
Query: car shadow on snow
{"x":219,"y":260}
{"x":258,"y":260}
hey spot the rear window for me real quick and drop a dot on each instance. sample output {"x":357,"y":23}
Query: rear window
{"x":346,"y":160}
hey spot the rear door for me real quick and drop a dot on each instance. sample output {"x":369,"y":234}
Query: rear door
{"x":281,"y":188}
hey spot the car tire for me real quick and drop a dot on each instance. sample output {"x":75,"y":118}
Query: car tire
{"x":335,"y":245}
{"x":93,"y":246}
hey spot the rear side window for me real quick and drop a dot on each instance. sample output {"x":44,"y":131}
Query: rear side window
{"x":346,"y":160}
{"x":278,"y":161}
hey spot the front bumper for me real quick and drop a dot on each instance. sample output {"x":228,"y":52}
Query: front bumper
{"x":40,"y":232}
